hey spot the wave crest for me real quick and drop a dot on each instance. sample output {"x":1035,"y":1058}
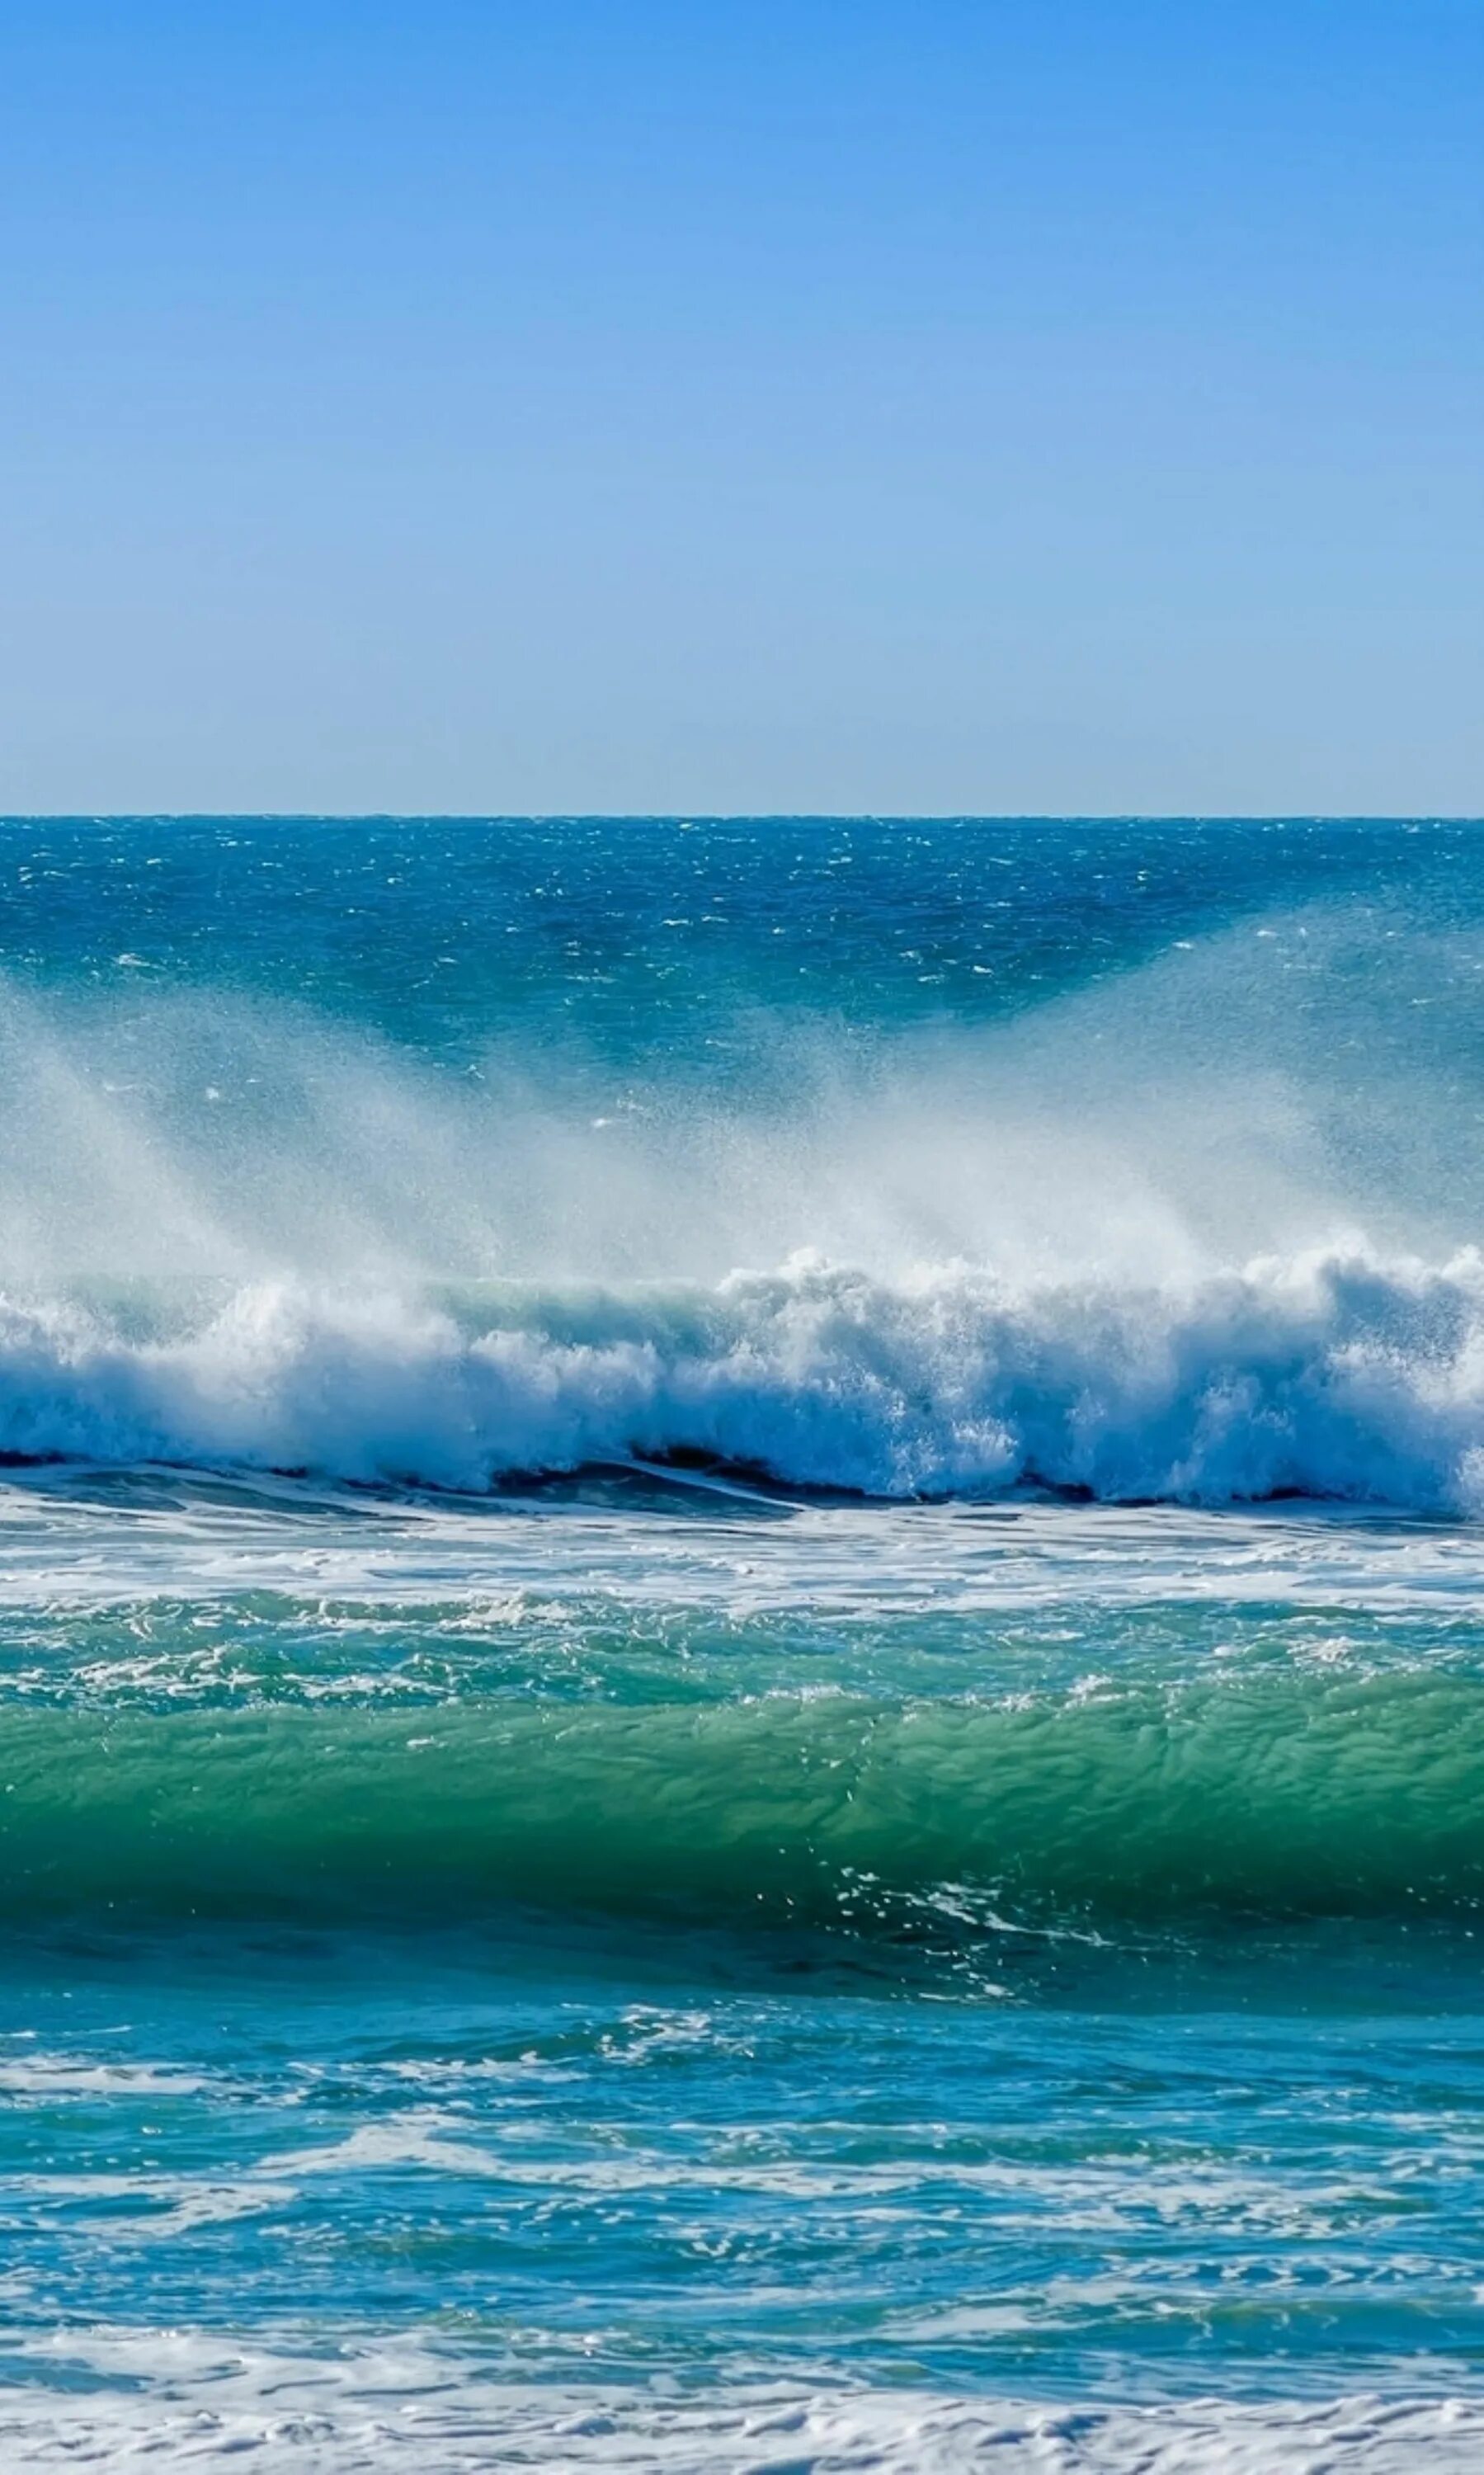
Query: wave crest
{"x":1331,"y":1374}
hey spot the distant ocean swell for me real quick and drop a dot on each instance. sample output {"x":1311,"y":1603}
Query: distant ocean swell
{"x":1289,"y":1795}
{"x":1329,"y":1374}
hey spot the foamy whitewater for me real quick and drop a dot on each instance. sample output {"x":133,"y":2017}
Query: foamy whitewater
{"x":741,"y":1644}
{"x":1321,"y":1374}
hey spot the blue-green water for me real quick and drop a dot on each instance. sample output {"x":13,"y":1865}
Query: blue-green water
{"x":741,"y":1644}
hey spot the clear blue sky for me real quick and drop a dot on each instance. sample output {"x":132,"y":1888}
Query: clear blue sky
{"x":994,"y":404}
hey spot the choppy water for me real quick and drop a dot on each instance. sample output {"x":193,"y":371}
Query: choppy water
{"x":741,"y":1644}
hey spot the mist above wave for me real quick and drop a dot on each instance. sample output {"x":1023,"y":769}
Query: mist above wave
{"x":1144,"y":1240}
{"x":1304,"y":1082}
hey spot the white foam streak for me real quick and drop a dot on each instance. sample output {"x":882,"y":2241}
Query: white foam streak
{"x":190,"y":2401}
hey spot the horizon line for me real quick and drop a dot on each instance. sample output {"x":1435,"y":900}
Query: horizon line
{"x":746,"y":816}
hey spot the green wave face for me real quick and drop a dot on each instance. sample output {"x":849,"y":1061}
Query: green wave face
{"x":1284,"y":1795}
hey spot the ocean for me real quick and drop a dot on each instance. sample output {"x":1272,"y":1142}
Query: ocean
{"x":741,"y":1644}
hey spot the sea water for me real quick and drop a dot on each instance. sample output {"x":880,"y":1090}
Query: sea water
{"x":741,"y":1644}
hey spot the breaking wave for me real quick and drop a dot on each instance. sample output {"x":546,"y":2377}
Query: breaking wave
{"x":1326,"y":1374}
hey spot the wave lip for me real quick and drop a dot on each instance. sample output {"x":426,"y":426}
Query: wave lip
{"x":1330,"y":1374}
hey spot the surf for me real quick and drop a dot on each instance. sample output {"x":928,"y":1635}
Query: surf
{"x":1340,"y":1375}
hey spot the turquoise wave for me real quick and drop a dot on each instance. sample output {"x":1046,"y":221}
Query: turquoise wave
{"x":1289,"y":1795}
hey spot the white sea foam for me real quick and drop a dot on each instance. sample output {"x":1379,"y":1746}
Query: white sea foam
{"x":1330,"y":1374}
{"x":169,"y":2400}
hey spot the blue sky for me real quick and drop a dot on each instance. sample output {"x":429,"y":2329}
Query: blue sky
{"x":1029,"y":406}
